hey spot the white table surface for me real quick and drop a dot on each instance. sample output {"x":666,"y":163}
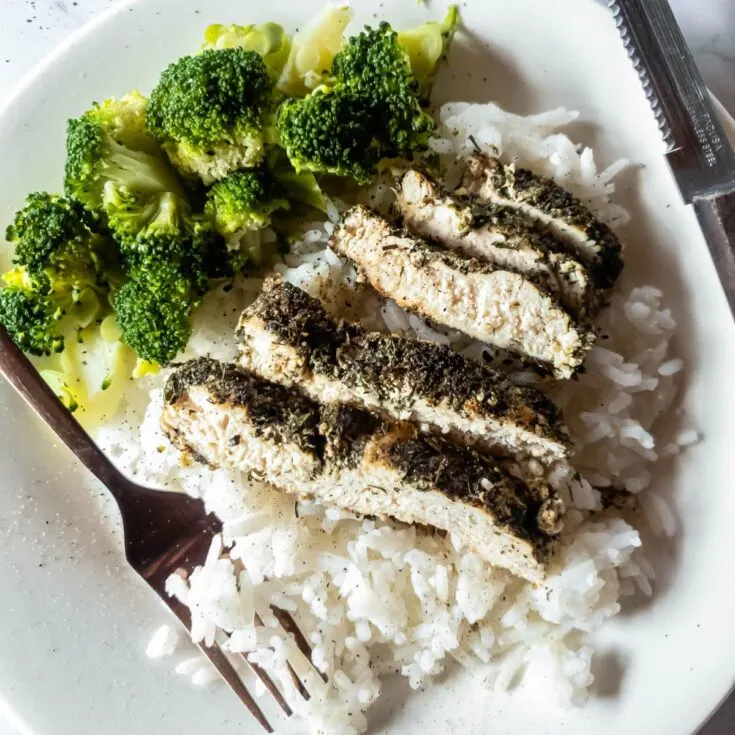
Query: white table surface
{"x":29,"y":29}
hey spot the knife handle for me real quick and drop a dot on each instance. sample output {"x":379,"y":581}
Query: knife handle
{"x":716,"y":216}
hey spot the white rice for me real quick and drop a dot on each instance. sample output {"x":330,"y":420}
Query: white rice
{"x":352,"y":583}
{"x":163,"y":643}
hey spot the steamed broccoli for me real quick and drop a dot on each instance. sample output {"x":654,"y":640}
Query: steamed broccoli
{"x":63,"y":269}
{"x":31,"y":320}
{"x":108,"y":150}
{"x":55,"y":242}
{"x":238,"y":208}
{"x":118,"y":172}
{"x":148,"y":226}
{"x":375,"y":68}
{"x":210,"y":112}
{"x":209,"y":256}
{"x":330,"y":131}
{"x":369,"y":111}
{"x":154,"y":316}
{"x":170,"y":263}
{"x":268,"y":39}
{"x":244,"y":200}
{"x":168,"y":254}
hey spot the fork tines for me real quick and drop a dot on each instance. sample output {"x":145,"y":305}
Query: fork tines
{"x":223,"y":662}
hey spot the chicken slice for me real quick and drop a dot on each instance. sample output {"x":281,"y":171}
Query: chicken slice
{"x":227,"y":417}
{"x":545,"y":202}
{"x":495,"y":234}
{"x":287,"y":336}
{"x":497,"y":306}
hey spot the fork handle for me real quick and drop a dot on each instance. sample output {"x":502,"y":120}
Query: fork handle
{"x":23,"y":376}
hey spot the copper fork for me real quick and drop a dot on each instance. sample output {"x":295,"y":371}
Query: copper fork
{"x":164,"y":532}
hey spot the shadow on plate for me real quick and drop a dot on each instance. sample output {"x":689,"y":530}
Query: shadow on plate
{"x":608,"y":668}
{"x":395,"y":691}
{"x":472,"y":73}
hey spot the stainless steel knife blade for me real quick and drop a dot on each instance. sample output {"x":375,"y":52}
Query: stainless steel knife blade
{"x":698,"y":151}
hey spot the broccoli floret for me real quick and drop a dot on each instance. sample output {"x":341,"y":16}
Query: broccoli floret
{"x":369,"y":111}
{"x":199,"y":258}
{"x":244,"y":200}
{"x":210,"y":112}
{"x":166,"y":242}
{"x":107,"y":149}
{"x":375,"y":67}
{"x":134,"y":192}
{"x":54,"y":241}
{"x":209,"y":257}
{"x":170,"y":263}
{"x":155,"y":316}
{"x":124,"y":120}
{"x":148,"y":226}
{"x":63,"y":269}
{"x":330,"y":131}
{"x":31,"y":320}
{"x":168,"y":255}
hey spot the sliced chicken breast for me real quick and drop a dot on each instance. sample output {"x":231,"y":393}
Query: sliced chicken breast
{"x":287,"y":336}
{"x":495,"y":234}
{"x":545,"y":202}
{"x":497,"y":306}
{"x":228,"y":417}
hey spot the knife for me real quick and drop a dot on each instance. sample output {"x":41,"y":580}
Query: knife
{"x":699,"y":154}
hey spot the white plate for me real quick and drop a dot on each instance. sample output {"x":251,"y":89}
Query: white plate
{"x":74,"y":621}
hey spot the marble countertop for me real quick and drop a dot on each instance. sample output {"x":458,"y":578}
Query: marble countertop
{"x":31,"y":28}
